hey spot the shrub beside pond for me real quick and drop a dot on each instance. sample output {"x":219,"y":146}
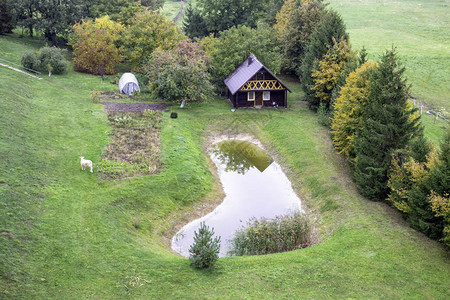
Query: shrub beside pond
{"x":284,"y":233}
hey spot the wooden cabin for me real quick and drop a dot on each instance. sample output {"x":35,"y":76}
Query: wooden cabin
{"x":253,"y":85}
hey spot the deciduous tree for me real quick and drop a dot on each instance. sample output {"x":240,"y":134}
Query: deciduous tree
{"x":94,"y":45}
{"x":329,"y":71}
{"x":295,"y":22}
{"x":347,"y":112}
{"x":56,"y":17}
{"x":221,"y":15}
{"x":235,"y":45}
{"x":148,"y":31}
{"x":180,"y":73}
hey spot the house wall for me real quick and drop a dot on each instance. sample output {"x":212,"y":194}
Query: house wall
{"x":275,"y":96}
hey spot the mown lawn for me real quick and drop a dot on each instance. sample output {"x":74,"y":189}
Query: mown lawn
{"x":67,"y":234}
{"x":419,"y":31}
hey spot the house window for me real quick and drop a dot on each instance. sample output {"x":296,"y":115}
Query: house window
{"x":266,"y":95}
{"x":251,"y":96}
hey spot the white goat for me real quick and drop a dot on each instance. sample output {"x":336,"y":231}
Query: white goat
{"x":85,"y":163}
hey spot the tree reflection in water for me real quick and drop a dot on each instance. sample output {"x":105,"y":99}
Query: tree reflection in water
{"x":241,"y":156}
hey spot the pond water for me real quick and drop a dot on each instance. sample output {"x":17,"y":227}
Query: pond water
{"x":255,"y":187}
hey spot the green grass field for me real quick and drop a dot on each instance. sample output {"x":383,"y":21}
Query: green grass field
{"x":66,"y":234}
{"x":419,"y":31}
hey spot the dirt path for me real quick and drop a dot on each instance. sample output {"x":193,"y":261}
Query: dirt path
{"x":180,"y":13}
{"x":15,"y":69}
{"x":133,"y":107}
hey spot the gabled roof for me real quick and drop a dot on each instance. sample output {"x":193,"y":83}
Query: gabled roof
{"x":246,"y":71}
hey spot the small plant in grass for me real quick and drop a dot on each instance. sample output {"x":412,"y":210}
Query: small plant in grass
{"x":284,"y":233}
{"x":95,"y":96}
{"x":204,"y":252}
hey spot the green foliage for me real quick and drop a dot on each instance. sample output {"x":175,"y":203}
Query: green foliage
{"x":283,"y":233}
{"x":388,"y":127}
{"x":148,"y":31}
{"x":193,"y":23}
{"x":52,"y":58}
{"x":47,"y":59}
{"x":234,"y":46}
{"x":347,"y":109}
{"x":329,"y":70}
{"x":180,"y":73}
{"x":6,"y":18}
{"x":220,"y":15}
{"x":153,"y":4}
{"x":26,"y":13}
{"x":30,"y":61}
{"x":55,"y":18}
{"x":295,"y":24}
{"x":204,"y":252}
{"x":94,"y":46}
{"x":321,"y":40}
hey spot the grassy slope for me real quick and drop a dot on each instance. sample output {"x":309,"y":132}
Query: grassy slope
{"x":65,"y":234}
{"x":419,"y":30}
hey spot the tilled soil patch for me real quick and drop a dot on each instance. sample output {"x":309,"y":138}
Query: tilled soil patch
{"x":133,"y":107}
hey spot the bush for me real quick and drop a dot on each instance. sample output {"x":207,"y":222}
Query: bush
{"x":47,"y":59}
{"x":204,"y":252}
{"x":52,"y":56}
{"x":284,"y":233}
{"x":30,"y":61}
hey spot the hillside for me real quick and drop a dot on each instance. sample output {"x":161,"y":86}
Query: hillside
{"x":67,"y":234}
{"x":418,"y":29}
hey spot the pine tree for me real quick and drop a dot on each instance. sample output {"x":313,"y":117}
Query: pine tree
{"x":204,"y":252}
{"x":331,"y":26}
{"x":194,"y":25}
{"x":387,"y":127}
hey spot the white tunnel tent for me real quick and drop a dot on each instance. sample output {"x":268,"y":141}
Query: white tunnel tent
{"x":128,"y":84}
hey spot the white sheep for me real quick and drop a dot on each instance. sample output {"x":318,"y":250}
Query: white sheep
{"x":85,"y":163}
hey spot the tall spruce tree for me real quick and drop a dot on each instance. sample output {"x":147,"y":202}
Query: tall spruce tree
{"x":321,"y":40}
{"x":194,"y":25}
{"x":387,"y":127}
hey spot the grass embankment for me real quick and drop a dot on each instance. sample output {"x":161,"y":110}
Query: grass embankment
{"x":419,"y":30}
{"x":67,"y":234}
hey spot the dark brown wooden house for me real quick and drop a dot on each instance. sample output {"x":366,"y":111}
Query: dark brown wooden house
{"x":253,"y":85}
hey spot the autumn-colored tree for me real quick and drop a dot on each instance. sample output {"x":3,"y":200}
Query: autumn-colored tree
{"x":331,"y":27}
{"x":94,"y":45}
{"x":295,"y":22}
{"x":180,"y":73}
{"x":347,"y":109}
{"x":149,"y":31}
{"x":420,"y":188}
{"x":329,"y":70}
{"x":408,"y":173}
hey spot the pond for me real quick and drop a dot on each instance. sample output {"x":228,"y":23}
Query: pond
{"x":255,"y":186}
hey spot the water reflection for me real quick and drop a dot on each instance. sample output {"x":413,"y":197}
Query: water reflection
{"x":240,"y":156}
{"x":255,"y":187}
